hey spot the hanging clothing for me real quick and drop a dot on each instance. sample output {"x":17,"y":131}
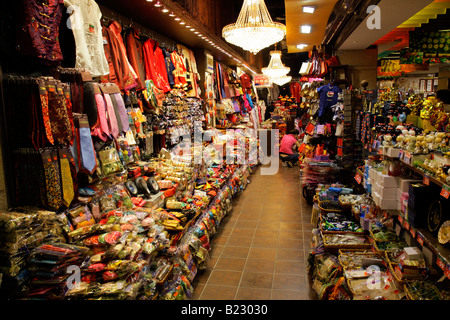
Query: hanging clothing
{"x":116,"y":28}
{"x":170,"y":67}
{"x":120,"y":74}
{"x":246,"y":83}
{"x":85,"y":23}
{"x":155,"y":65}
{"x":38,"y":29}
{"x":135,"y":54}
{"x":295,"y":91}
{"x":328,"y":97}
{"x":179,"y":74}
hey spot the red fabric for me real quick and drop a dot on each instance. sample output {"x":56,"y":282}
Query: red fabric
{"x":295,"y":91}
{"x":155,"y":65}
{"x":135,"y":55}
{"x":119,"y":73}
{"x":246,"y":83}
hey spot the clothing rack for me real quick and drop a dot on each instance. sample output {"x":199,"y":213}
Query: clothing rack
{"x":109,"y":15}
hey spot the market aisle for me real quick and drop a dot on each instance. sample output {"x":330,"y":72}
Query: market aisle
{"x":260,"y":250}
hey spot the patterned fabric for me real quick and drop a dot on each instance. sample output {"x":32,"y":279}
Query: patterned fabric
{"x":51,"y":172}
{"x":59,"y":118}
{"x":66,"y":181}
{"x":45,"y":115}
{"x":39,"y":29}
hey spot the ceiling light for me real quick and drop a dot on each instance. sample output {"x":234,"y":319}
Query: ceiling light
{"x":281,"y":80}
{"x":309,"y":9}
{"x":158,"y":4}
{"x":305,"y":28}
{"x":177,"y":19}
{"x":182,"y":22}
{"x":254,"y":29}
{"x":301,"y":46}
{"x":165,"y":10}
{"x":276,"y":68}
{"x":171,"y":14}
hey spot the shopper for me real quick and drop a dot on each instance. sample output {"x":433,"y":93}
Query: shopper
{"x":288,"y":143}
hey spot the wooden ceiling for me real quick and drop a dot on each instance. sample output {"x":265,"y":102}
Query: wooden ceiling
{"x":295,"y":17}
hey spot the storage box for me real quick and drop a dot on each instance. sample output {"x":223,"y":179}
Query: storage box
{"x":393,"y":152}
{"x":386,"y":204}
{"x":404,"y":183}
{"x":413,"y":253}
{"x":387,"y":181}
{"x":387,"y":193}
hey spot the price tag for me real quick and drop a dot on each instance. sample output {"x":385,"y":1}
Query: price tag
{"x":400,"y":219}
{"x":440,"y":262}
{"x":413,"y":232}
{"x":426,"y":180}
{"x":400,"y":154}
{"x":420,"y":239}
{"x":407,"y":158}
{"x":447,"y":271}
{"x":358,"y":178}
{"x":406,"y":225}
{"x":445,"y":192}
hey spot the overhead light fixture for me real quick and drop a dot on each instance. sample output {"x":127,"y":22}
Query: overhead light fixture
{"x":165,"y":10}
{"x":158,"y":4}
{"x":276,"y":68}
{"x":171,"y":14}
{"x":281,"y":80}
{"x":254,"y":29}
{"x":177,"y":19}
{"x":182,"y":22}
{"x":309,"y":9}
{"x":305,"y":28}
{"x":301,"y":46}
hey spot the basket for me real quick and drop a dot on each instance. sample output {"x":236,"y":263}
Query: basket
{"x":392,"y":266}
{"x":365,"y":252}
{"x":347,"y":206}
{"x":323,"y":207}
{"x":372,"y":235}
{"x":340,"y":231}
{"x":328,"y":246}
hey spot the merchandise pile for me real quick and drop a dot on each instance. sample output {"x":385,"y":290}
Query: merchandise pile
{"x":358,"y":255}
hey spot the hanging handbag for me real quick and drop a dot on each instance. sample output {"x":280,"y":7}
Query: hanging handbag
{"x":304,"y":69}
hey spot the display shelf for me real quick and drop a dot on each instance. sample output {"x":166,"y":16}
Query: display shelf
{"x":426,"y":238}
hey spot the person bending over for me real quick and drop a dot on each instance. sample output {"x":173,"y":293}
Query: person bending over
{"x":287,"y":146}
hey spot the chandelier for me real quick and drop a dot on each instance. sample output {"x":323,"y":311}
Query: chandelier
{"x":254,"y":29}
{"x":276,"y":68}
{"x":281,"y":80}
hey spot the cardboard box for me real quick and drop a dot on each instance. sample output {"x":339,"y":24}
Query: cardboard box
{"x":387,"y":181}
{"x":413,"y":253}
{"x":387,"y":193}
{"x":386,"y":204}
{"x":393,"y":152}
{"x":404,"y":184}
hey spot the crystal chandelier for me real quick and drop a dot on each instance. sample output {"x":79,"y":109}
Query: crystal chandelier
{"x":254,"y":29}
{"x":281,"y":80}
{"x":276,"y":68}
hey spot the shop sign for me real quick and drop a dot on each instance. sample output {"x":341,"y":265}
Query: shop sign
{"x":358,"y":178}
{"x":261,"y":80}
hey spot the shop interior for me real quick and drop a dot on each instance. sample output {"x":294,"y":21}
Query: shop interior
{"x":225,"y":150}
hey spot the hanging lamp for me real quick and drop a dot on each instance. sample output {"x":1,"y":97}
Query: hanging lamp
{"x":254,"y":29}
{"x":281,"y":80}
{"x":276,"y":68}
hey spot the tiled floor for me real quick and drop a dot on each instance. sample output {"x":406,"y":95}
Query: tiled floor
{"x":260,"y":250}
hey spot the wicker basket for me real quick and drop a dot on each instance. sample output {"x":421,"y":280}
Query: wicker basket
{"x":330,"y":231}
{"x":323,"y":209}
{"x":365,"y":245}
{"x":346,"y":206}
